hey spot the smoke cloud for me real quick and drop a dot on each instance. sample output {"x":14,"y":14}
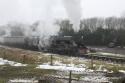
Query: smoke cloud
{"x":73,"y":9}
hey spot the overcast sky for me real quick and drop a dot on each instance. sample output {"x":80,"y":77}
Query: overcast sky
{"x":33,"y":10}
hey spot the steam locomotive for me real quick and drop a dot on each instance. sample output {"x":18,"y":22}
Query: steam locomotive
{"x":57,"y":44}
{"x":66,"y":45}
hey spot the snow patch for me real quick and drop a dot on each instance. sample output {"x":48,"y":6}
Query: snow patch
{"x":19,"y":64}
{"x":12,"y":63}
{"x":96,"y":79}
{"x":122,"y":71}
{"x":61,"y":68}
{"x":47,"y":54}
{"x":111,"y":54}
{"x":23,"y":81}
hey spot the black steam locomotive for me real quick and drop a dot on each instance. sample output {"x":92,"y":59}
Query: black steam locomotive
{"x":60,"y":45}
{"x":66,"y":45}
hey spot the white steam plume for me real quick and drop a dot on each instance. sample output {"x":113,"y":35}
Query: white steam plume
{"x":73,"y":8}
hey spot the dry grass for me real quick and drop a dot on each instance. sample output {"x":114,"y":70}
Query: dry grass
{"x":32,"y":57}
{"x":18,"y":55}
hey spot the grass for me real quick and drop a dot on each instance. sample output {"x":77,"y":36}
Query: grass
{"x":121,"y":80}
{"x":77,"y":76}
{"x":39,"y":58}
{"x":3,"y":80}
{"x":35,"y":58}
{"x":7,"y":72}
{"x":18,"y":55}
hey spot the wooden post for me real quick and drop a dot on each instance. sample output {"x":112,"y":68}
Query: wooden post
{"x":4,"y":54}
{"x":51,"y":58}
{"x":91,"y":61}
{"x":70,"y":77}
{"x":24,"y":57}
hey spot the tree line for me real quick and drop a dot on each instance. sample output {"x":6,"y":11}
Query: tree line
{"x":96,"y":31}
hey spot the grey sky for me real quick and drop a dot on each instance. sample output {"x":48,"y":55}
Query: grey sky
{"x":32,"y":10}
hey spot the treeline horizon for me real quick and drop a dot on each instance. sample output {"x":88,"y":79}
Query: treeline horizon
{"x":96,"y":31}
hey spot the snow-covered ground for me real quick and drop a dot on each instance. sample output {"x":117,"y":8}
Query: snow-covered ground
{"x":122,"y":71}
{"x":63,"y":68}
{"x":96,"y":79}
{"x":12,"y":63}
{"x":110,"y":54}
{"x":89,"y":75}
{"x":23,"y":81}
